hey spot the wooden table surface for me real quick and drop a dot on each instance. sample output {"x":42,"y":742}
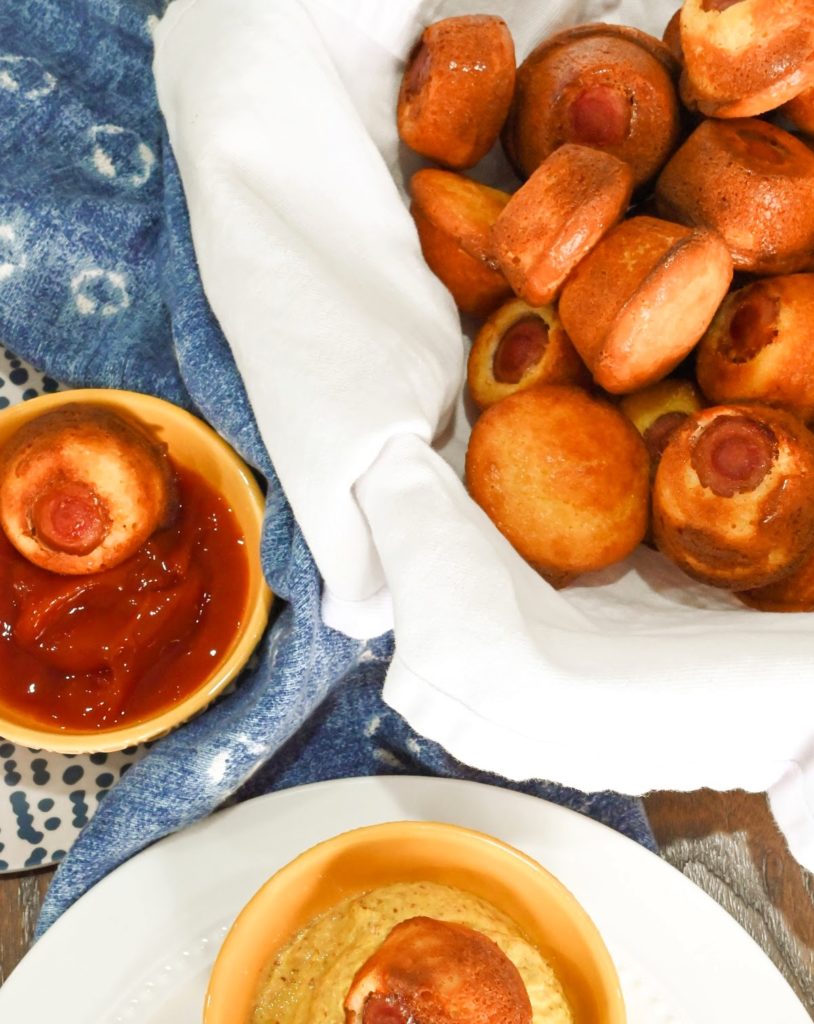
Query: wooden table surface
{"x":727,"y":843}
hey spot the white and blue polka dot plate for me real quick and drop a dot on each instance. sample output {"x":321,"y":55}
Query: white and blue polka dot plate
{"x":46,"y":798}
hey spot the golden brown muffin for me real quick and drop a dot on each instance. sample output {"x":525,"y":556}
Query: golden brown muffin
{"x":456,"y":89}
{"x":82,"y":488}
{"x":672,"y":37}
{"x":800,"y":111}
{"x":563,"y":476}
{"x":605,"y":86}
{"x":636,"y":305}
{"x":557,"y":217}
{"x":519,"y":347}
{"x":753,"y":183}
{"x":454,"y":217}
{"x":744,"y":57}
{"x":658,"y":410}
{"x":440,"y":972}
{"x":761,"y":346}
{"x":794,"y":593}
{"x":733,"y":498}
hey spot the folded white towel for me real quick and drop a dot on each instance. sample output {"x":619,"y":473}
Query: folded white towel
{"x":281,"y":117}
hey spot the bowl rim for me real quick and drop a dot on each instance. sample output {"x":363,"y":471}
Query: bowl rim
{"x":259,"y":597}
{"x":231,"y":968}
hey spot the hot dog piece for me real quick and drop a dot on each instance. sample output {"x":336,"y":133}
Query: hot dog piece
{"x":759,"y":346}
{"x":82,"y":488}
{"x":456,"y":89}
{"x":438,"y":972}
{"x":563,"y":476}
{"x":744,"y":57}
{"x":573,"y":198}
{"x":605,"y":86}
{"x":637,"y":304}
{"x":658,"y":410}
{"x":751,"y":182}
{"x":733,"y":497}
{"x":519,"y":347}
{"x":454,"y":217}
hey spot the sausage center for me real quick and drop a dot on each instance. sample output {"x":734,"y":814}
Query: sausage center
{"x":753,"y":326}
{"x":600,"y":116}
{"x":733,"y":455}
{"x":520,"y":348}
{"x":661,"y":430}
{"x":69,"y":517}
{"x":380,"y":1009}
{"x":718,"y":5}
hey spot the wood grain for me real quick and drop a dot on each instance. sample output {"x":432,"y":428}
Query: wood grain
{"x":20,"y":900}
{"x":729,"y":845}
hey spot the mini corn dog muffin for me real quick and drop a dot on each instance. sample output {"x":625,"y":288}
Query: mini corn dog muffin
{"x":563,"y":476}
{"x":800,"y":111}
{"x":637,"y":304}
{"x":82,"y":488}
{"x":519,"y":347}
{"x":605,"y":86}
{"x":658,"y":410}
{"x":454,"y":217}
{"x":556,"y":218}
{"x":761,"y":346}
{"x":456,"y":89}
{"x":753,"y":183}
{"x":733,"y":497}
{"x":794,"y":593}
{"x":744,"y":57}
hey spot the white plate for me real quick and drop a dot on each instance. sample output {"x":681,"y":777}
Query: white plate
{"x":45,"y":798}
{"x":139,"y":946}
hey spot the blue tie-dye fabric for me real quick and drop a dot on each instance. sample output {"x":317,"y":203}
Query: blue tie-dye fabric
{"x":99,"y":287}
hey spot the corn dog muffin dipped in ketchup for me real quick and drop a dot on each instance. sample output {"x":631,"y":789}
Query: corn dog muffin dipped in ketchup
{"x":456,"y":89}
{"x":744,"y":57}
{"x":637,"y":304}
{"x":519,"y":347}
{"x":454,"y":216}
{"x":733,"y":497}
{"x":573,"y":198}
{"x":753,"y":183}
{"x":760,"y":346}
{"x":605,"y":86}
{"x":82,"y":488}
{"x":564,"y":477}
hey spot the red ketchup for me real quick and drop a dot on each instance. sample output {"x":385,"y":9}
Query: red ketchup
{"x":81,"y":653}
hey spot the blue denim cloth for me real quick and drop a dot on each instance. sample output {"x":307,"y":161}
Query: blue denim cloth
{"x":99,"y":287}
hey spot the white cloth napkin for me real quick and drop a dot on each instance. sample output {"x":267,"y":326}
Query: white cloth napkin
{"x":281,"y":117}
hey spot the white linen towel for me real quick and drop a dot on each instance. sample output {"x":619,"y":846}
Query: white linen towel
{"x":282,"y":119}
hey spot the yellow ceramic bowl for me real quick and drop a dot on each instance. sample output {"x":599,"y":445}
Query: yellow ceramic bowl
{"x":365,"y":858}
{"x":193,"y":444}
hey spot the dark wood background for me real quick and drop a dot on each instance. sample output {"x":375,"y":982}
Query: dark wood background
{"x":727,"y":843}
